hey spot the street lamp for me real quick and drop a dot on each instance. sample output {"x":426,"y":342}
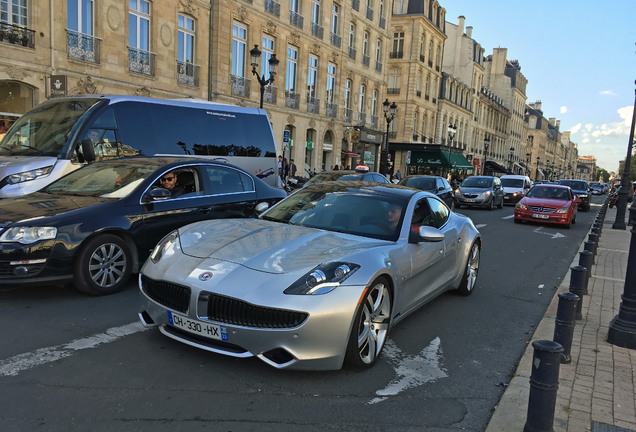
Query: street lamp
{"x":255,"y":55}
{"x":511,"y":155}
{"x":626,"y":188}
{"x":486,"y":145}
{"x":552,"y":171}
{"x":528,"y":155}
{"x":536,"y":177}
{"x":452,"y":130}
{"x":389,"y":113}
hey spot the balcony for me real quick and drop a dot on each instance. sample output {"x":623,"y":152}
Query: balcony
{"x":355,"y":4}
{"x":396,"y":54}
{"x":82,"y":47}
{"x":422,"y":58}
{"x":366,"y":60}
{"x":430,"y":63}
{"x":393,"y":135}
{"x":188,"y":73}
{"x":240,"y":86}
{"x":369,"y":13}
{"x":296,"y":19}
{"x":418,"y":93}
{"x":336,"y":40}
{"x":270,"y":93}
{"x":292,"y":100}
{"x":140,"y":61}
{"x":374,"y":122}
{"x":17,"y":35}
{"x":348,"y":114}
{"x":393,"y":90}
{"x":382,"y":22}
{"x":362,"y":118}
{"x":317,"y":30}
{"x":331,"y":109}
{"x":352,"y":53}
{"x":313,"y":105}
{"x":378,"y":66}
{"x":272,"y":7}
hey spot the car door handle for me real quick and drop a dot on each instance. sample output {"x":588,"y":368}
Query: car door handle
{"x":205,"y":210}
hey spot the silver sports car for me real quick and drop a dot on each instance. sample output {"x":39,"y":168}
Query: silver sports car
{"x":317,"y":281}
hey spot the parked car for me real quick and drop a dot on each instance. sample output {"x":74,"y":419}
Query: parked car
{"x":480,"y":191}
{"x":347,"y":175}
{"x":548,"y":204}
{"x":316,"y":281}
{"x":581,"y":189}
{"x":515,"y":187}
{"x":436,"y":185}
{"x":97,"y":225}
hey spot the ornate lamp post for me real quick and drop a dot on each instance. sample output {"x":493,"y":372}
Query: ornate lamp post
{"x":626,"y":188}
{"x":255,"y":55}
{"x":536,"y":177}
{"x":389,"y":113}
{"x":511,"y":155}
{"x":486,"y":145}
{"x":452,"y":130}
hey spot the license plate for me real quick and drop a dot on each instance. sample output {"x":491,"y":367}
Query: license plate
{"x":470,"y":200}
{"x":198,"y":327}
{"x":540,"y":216}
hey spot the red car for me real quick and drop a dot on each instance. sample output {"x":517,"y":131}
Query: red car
{"x":548,"y":203}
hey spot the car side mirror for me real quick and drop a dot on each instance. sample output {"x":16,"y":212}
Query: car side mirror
{"x":261,"y":207}
{"x":425,"y":233}
{"x":156,"y":194}
{"x":88,"y":151}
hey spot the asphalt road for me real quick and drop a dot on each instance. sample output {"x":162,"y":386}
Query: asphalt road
{"x":69,"y":362}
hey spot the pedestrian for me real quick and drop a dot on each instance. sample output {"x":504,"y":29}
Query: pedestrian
{"x":292,"y":168}
{"x":398,"y":175}
{"x":335,"y":167}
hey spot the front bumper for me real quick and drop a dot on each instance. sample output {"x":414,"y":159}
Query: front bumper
{"x":474,"y":201}
{"x":553,"y":218}
{"x":34,"y":264}
{"x":512,"y":198}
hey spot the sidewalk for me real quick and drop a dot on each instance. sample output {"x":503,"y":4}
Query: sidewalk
{"x":596,"y":390}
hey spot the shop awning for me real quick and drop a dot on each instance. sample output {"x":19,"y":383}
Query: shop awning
{"x":459,"y":161}
{"x":494,"y":166}
{"x":350,"y":153}
{"x":430,"y":158}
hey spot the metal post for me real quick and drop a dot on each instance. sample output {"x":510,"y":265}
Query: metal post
{"x":544,"y":383}
{"x":626,"y":191}
{"x":622,"y":330}
{"x":586,"y":259}
{"x":578,"y":282}
{"x":564,"y":324}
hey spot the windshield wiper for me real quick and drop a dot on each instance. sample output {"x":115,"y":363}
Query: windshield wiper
{"x":269,"y":218}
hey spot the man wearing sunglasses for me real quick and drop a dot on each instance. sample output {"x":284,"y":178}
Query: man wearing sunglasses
{"x":169,"y":181}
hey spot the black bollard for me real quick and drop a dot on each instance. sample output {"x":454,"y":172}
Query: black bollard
{"x":589,"y":246}
{"x":564,"y":323}
{"x":544,"y":383}
{"x":586,"y":259}
{"x":596,"y":228}
{"x":578,"y":280}
{"x":593,"y":237}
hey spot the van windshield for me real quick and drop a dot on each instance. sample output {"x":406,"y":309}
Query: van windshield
{"x":44,"y":130}
{"x":512,"y":182}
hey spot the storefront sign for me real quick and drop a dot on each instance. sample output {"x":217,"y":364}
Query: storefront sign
{"x":58,"y":85}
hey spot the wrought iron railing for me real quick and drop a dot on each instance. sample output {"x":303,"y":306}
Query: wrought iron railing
{"x":336,"y":40}
{"x":296,"y":19}
{"x":378,"y":66}
{"x":393,"y":90}
{"x":83,"y":47}
{"x":382,"y":22}
{"x":188,"y":73}
{"x":292,"y":100}
{"x":313,"y":105}
{"x":366,"y":60}
{"x":352,"y":53}
{"x":355,"y":4}
{"x":374,"y":122}
{"x":272,"y":7}
{"x":369,"y":13}
{"x":240,"y":86}
{"x":317,"y":30}
{"x":270,"y":94}
{"x":17,"y":35}
{"x":396,"y":54}
{"x":141,"y":61}
{"x":348,"y":114}
{"x":362,"y":118}
{"x":331,"y":109}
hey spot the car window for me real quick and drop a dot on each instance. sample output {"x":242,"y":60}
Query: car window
{"x":222,"y":180}
{"x":422,"y":215}
{"x":439,"y":211}
{"x":478,"y":182}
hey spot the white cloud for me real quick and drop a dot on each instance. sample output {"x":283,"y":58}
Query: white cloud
{"x":607,"y":92}
{"x":563,"y":109}
{"x":576,"y":128}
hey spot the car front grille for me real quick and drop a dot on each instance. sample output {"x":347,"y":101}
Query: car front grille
{"x":537,"y":209}
{"x":172,"y":296}
{"x":237,"y":312}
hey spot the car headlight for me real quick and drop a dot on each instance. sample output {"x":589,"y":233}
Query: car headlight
{"x":582,"y":195}
{"x":29,"y":175}
{"x":521,"y":206}
{"x":28,"y":235}
{"x":563,"y":210}
{"x":164,"y":247}
{"x":486,"y":194}
{"x":322,"y":279}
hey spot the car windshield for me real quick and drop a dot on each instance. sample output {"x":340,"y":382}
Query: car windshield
{"x":549,"y":192}
{"x":103,"y":179}
{"x":512,"y":183}
{"x":574,"y":184}
{"x":342,"y":209}
{"x":477,"y":182}
{"x":44,"y":130}
{"x":423,"y":183}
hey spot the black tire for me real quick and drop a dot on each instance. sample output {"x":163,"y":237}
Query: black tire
{"x":500,"y":204}
{"x":370,"y":326}
{"x":517,"y":220}
{"x":103,"y":266}
{"x":467,"y":285}
{"x":492,"y":204}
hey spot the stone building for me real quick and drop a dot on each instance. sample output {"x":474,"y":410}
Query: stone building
{"x":586,"y":168}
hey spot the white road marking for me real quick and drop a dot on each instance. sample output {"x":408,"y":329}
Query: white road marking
{"x":411,"y":371}
{"x":508,"y":217}
{"x":480,"y":226}
{"x":18,"y":363}
{"x":555,"y":235}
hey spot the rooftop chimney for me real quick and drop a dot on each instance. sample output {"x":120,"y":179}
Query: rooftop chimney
{"x":469,"y":32}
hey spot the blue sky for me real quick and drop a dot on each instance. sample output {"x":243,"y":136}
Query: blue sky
{"x":579,"y":58}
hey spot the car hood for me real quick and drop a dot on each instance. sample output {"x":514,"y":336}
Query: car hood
{"x":268,"y":246}
{"x":15,"y":164}
{"x":547,"y":202}
{"x":42,"y":205}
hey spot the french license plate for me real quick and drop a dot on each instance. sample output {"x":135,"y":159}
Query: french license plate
{"x":470,"y":200}
{"x":540,"y":216}
{"x":198,"y":327}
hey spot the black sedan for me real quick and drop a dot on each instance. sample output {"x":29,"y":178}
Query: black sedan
{"x":433,"y":184}
{"x":581,"y":188}
{"x":97,"y":225}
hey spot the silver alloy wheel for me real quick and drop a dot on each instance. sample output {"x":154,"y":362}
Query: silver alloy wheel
{"x":107,"y":265}
{"x":472,"y":268}
{"x":374,"y":323}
